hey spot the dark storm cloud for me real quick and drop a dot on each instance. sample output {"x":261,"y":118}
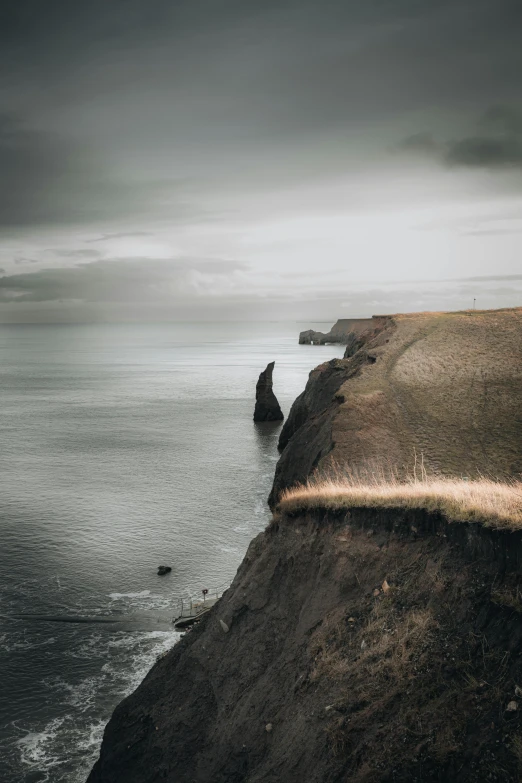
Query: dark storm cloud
{"x":257,"y":129}
{"x":499,"y":145}
{"x":496,"y":145}
{"x":120,"y":105}
{"x":30,"y":163}
{"x":49,"y":179}
{"x":486,"y":152}
{"x":119,"y":280}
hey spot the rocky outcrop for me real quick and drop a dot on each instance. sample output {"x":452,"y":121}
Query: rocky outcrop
{"x":444,"y":386}
{"x":267,"y":407}
{"x":309,"y":424}
{"x":308,"y":427}
{"x":341,"y":332}
{"x":370,"y":646}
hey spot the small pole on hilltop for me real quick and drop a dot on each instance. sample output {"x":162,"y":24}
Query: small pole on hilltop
{"x":474,"y":300}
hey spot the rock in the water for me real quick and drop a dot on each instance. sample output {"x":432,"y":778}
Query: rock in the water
{"x":162,"y":570}
{"x":267,"y":407}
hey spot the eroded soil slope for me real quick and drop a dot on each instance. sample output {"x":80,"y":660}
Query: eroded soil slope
{"x":366,"y":647}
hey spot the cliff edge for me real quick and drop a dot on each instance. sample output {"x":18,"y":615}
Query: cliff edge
{"x":374,"y":645}
{"x":444,"y":386}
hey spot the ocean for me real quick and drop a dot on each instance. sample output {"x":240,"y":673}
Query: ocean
{"x":122,"y":447}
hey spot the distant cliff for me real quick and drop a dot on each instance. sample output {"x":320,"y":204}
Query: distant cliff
{"x":341,"y":332}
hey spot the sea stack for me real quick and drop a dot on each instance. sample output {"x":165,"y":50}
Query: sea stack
{"x":267,"y":407}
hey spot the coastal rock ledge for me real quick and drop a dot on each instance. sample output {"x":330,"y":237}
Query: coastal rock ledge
{"x":267,"y":407}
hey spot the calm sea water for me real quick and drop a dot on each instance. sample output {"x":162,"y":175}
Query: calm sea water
{"x":121,"y":448}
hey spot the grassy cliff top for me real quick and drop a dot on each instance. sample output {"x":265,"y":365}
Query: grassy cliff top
{"x":490,"y":503}
{"x":447,"y":385}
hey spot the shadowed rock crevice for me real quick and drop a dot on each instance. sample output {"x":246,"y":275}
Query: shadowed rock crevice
{"x":267,"y":407}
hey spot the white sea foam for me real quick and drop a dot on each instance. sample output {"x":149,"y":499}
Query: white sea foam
{"x":81,"y":695}
{"x":36,"y":746}
{"x":72,"y":742}
{"x":92,"y":737}
{"x":145,"y":599}
{"x":88,"y":648}
{"x":143,"y":594}
{"x":228,"y":550}
{"x":241,"y":529}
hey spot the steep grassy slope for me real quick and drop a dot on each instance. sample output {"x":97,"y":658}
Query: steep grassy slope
{"x":444,"y":386}
{"x":370,"y":646}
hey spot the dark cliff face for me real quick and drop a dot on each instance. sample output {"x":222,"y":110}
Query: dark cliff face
{"x":267,"y":407}
{"x":363,"y":647}
{"x":308,"y":425}
{"x":306,"y":437}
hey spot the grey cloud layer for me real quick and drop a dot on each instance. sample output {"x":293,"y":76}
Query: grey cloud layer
{"x":255,"y":129}
{"x":118,"y":280}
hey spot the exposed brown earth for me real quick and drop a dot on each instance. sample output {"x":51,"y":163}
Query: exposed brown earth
{"x":371,"y":646}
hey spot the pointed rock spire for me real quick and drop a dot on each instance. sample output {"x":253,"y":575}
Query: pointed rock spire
{"x":267,"y":407}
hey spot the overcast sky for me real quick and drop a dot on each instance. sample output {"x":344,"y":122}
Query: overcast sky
{"x":231,"y":159}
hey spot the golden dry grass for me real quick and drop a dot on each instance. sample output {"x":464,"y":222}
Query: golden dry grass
{"x":491,"y":503}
